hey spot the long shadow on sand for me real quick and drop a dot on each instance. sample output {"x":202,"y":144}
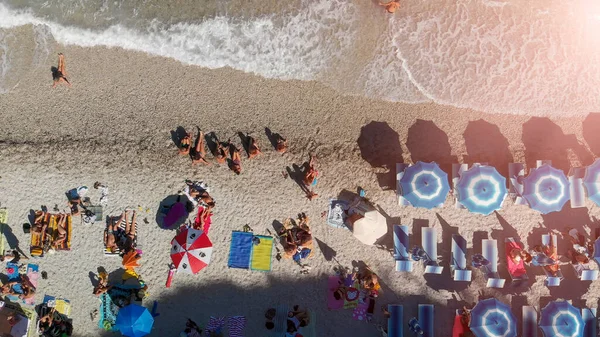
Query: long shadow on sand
{"x":486,"y":144}
{"x":380,"y":146}
{"x":544,"y":140}
{"x":427,"y":142}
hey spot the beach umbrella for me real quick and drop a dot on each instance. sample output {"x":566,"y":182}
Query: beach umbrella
{"x":492,"y":318}
{"x":561,"y":319}
{"x":424,"y":185}
{"x":546,"y":189}
{"x":591,"y":181}
{"x":191,"y":250}
{"x":134,"y":321}
{"x":370,"y":227}
{"x":481,"y":189}
{"x":130,"y":260}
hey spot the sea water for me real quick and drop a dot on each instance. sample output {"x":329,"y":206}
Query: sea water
{"x":517,"y":56}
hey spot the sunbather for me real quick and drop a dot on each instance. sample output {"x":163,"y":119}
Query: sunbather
{"x":112,"y":234}
{"x":391,"y":6}
{"x":60,"y":74}
{"x":369,"y":280}
{"x":202,"y":221}
{"x":45,"y":321}
{"x":221,"y":150}
{"x":236,"y":159}
{"x":41,"y":222}
{"x":7,"y":288}
{"x":61,"y":228}
{"x":185,"y":145}
{"x":102,"y":285}
{"x":552,"y":253}
{"x":253,"y":149}
{"x":310,"y":178}
{"x":199,"y":154}
{"x":296,"y":319}
{"x":281,"y":144}
{"x":27,"y":287}
{"x":130,"y":232}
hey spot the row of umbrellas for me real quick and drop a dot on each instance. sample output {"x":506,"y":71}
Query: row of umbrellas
{"x":492,"y":318}
{"x":481,"y":189}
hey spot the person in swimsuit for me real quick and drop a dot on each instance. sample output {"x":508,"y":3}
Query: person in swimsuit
{"x":112,"y":233}
{"x":297,"y":318}
{"x":391,"y":6}
{"x":199,"y":154}
{"x":236,"y":159}
{"x":61,"y":72}
{"x":27,"y":287}
{"x":102,"y":285}
{"x":253,"y":149}
{"x":130,"y":232}
{"x":7,"y":288}
{"x":62,"y":230}
{"x":310,"y":178}
{"x":186,"y":143}
{"x":281,"y":145}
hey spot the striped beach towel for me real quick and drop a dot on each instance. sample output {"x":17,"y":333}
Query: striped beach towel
{"x":108,"y":313}
{"x":215,"y":324}
{"x":280,"y":321}
{"x":121,"y":239}
{"x":236,"y":326}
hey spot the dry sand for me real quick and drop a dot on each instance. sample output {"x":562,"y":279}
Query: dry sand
{"x":114,"y":125}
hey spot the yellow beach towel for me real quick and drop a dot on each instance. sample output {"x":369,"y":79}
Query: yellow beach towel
{"x":261,"y":253}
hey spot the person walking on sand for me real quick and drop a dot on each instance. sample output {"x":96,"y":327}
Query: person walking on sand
{"x":391,"y":6}
{"x":60,"y":74}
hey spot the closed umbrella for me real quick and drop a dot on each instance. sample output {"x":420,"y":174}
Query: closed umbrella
{"x":561,"y":319}
{"x":492,"y":318}
{"x":591,"y":181}
{"x":546,"y":189}
{"x":481,"y":189}
{"x":370,"y":227}
{"x":425,"y":185}
{"x":191,"y":250}
{"x":134,"y":321}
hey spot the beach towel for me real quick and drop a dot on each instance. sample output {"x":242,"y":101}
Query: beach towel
{"x":336,"y":215}
{"x":458,"y":329}
{"x":33,"y":275}
{"x":215,"y":324}
{"x":261,"y":253}
{"x":360,"y":312}
{"x":63,"y":306}
{"x":352,"y":296}
{"x":240,"y":250}
{"x":310,"y":329}
{"x":120,"y":239}
{"x":236,"y":326}
{"x":207,"y":222}
{"x":280,"y":321}
{"x":332,"y":286}
{"x":515,"y":269}
{"x":108,"y":313}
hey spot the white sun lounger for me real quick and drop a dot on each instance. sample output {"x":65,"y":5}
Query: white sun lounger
{"x":457,"y":170}
{"x":401,"y":246}
{"x":584,"y":272}
{"x":589,"y":321}
{"x":458,"y":265}
{"x":426,"y":316}
{"x":429,"y":243}
{"x":551,"y":280}
{"x":490,"y":252}
{"x":540,"y":163}
{"x":396,"y":321}
{"x":400,"y":167}
{"x":530,"y":326}
{"x":576,"y":189}
{"x":516,"y":173}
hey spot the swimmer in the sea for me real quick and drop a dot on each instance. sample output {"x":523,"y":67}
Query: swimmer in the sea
{"x":60,"y":75}
{"x":391,"y":6}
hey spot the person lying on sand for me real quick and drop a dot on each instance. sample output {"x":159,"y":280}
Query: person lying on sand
{"x":185,"y":144}
{"x":112,"y":234}
{"x":27,"y":287}
{"x":61,"y":229}
{"x":253,"y":149}
{"x":281,"y":144}
{"x":199,"y":154}
{"x":391,"y":6}
{"x":130,"y":232}
{"x":297,"y":318}
{"x":7,"y":288}
{"x":236,"y":159}
{"x":102,"y":285}
{"x":61,"y":72}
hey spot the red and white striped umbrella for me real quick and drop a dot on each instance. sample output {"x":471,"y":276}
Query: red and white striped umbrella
{"x":191,"y":250}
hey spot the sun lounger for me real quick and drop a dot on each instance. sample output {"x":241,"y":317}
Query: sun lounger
{"x":400,"y":167}
{"x":458,"y":265}
{"x":262,"y":253}
{"x":401,"y":246}
{"x":589,"y":321}
{"x":530,"y":326}
{"x":426,"y":319}
{"x":584,"y":272}
{"x":516,"y":173}
{"x":552,"y":280}
{"x":540,"y":163}
{"x":395,"y":322}
{"x":490,"y":253}
{"x":576,"y":188}
{"x":429,"y":243}
{"x":516,"y":271}
{"x":457,"y":170}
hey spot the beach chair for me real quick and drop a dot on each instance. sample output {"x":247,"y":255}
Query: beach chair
{"x":576,"y":188}
{"x":584,"y":273}
{"x":400,"y":167}
{"x":426,"y":319}
{"x":551,"y":280}
{"x":589,"y":321}
{"x":516,"y":271}
{"x":516,"y":173}
{"x":457,"y":170}
{"x":490,"y":252}
{"x":530,"y":326}
{"x":540,"y":163}
{"x":401,"y":246}
{"x":458,"y":265}
{"x":395,"y":322}
{"x":429,"y":243}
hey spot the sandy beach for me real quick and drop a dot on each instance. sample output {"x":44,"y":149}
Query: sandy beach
{"x":114,"y":125}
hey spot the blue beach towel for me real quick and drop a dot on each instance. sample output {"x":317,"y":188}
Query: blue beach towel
{"x":108,"y":313}
{"x":240,"y":250}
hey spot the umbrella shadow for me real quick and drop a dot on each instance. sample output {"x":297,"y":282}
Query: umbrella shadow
{"x":386,"y":242}
{"x":328,"y":253}
{"x":486,"y":144}
{"x":380,"y":146}
{"x":427,"y":142}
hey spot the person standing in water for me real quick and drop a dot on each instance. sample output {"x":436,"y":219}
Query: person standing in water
{"x":391,"y":6}
{"x":60,"y":74}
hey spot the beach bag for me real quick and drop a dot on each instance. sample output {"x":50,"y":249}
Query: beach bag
{"x":302,"y":254}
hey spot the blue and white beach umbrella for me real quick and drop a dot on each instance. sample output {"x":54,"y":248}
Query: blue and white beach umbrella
{"x":546,"y":189}
{"x":481,"y":189}
{"x":492,"y":318}
{"x":425,"y":185}
{"x":591,"y":181}
{"x":561,"y":319}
